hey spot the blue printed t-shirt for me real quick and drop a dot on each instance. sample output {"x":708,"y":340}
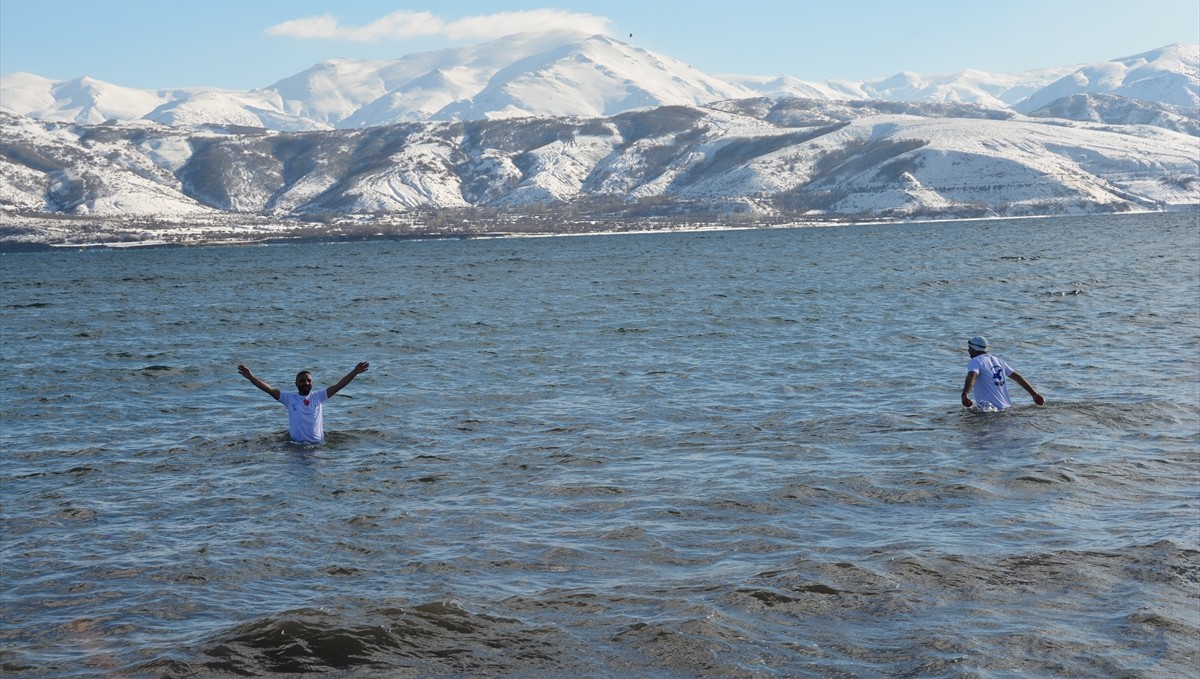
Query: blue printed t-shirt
{"x":991,"y":387}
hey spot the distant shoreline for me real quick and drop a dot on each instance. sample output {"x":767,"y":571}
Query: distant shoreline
{"x":641,"y":227}
{"x":333,"y":238}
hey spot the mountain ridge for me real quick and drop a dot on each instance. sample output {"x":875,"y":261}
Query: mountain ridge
{"x":559,"y":74}
{"x":209,"y":164}
{"x":760,"y":160}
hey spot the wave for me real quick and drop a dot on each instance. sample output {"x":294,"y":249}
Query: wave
{"x":435,"y":638}
{"x":1048,"y":613}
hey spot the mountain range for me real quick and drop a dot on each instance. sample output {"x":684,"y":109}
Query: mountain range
{"x":589,"y":126}
{"x":562,"y":74}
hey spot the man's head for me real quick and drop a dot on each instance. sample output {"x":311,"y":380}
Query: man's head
{"x":303,"y":382}
{"x":977,"y":345}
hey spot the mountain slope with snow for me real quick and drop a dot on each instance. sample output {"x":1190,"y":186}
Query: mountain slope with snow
{"x":1168,"y":75}
{"x":757,"y":158}
{"x":82,"y":100}
{"x":595,"y":77}
{"x":591,"y":127}
{"x":563,"y":74}
{"x":1117,"y":110}
{"x":993,"y":90}
{"x":359,"y":93}
{"x":552,"y":74}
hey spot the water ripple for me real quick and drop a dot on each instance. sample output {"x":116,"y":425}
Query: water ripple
{"x":728,"y":454}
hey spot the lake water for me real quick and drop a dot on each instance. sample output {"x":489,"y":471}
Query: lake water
{"x":715,"y":454}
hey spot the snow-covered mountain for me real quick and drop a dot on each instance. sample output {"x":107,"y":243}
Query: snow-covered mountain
{"x":554,"y":73}
{"x":1118,"y":110}
{"x":590,"y":129}
{"x":82,"y":100}
{"x":967,"y":87}
{"x":765,"y":159}
{"x":563,"y":74}
{"x":1170,"y":75}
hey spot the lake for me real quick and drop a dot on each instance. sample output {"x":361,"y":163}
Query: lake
{"x":704,"y":454}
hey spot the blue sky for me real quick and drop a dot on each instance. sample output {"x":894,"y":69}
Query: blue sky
{"x":243,"y":44}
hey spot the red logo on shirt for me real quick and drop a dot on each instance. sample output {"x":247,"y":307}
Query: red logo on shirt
{"x":305,"y":401}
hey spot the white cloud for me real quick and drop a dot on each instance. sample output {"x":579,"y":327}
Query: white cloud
{"x":406,"y":24}
{"x":507,"y":23}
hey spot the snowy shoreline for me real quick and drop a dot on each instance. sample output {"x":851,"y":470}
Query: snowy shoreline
{"x":125,"y":237}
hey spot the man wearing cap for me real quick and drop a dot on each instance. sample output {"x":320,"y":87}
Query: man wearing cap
{"x":991,"y":391}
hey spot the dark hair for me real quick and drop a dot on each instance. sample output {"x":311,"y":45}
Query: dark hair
{"x":303,"y":372}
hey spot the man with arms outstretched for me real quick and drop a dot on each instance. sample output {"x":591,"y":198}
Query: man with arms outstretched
{"x":305,"y":421}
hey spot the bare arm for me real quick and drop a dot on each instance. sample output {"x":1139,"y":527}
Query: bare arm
{"x":360,"y":368}
{"x":1037,"y":398}
{"x":968,"y":384}
{"x":257,"y":382}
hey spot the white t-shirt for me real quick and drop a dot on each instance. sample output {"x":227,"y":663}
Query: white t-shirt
{"x":991,"y":387}
{"x":305,"y":423}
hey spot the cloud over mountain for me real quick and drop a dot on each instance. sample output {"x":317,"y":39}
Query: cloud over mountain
{"x":410,"y":24}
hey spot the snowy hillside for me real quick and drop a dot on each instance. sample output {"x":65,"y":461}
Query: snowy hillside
{"x":82,"y":100}
{"x":595,"y":77}
{"x":1117,"y":110}
{"x":356,"y":93}
{"x":584,"y":131}
{"x":553,"y":74}
{"x":565,"y":74}
{"x":1170,"y":75}
{"x":967,"y":87}
{"x":760,"y":159}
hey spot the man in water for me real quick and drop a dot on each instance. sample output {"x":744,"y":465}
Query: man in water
{"x":305,"y":422}
{"x":991,"y":391}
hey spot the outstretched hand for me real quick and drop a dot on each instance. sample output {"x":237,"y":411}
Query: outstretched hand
{"x":355,"y":372}
{"x":245,"y":372}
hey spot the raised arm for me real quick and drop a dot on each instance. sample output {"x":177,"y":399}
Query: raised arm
{"x":1037,"y":398}
{"x":360,"y":368}
{"x":257,"y":382}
